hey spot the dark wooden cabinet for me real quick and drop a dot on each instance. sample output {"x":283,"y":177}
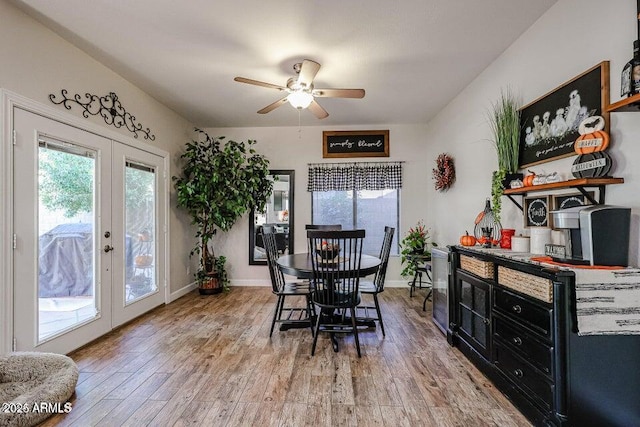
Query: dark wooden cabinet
{"x":527,"y":344}
{"x":474,"y":311}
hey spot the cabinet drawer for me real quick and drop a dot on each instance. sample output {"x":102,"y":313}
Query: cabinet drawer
{"x":531,"y":315}
{"x":524,"y":376}
{"x":517,"y":339}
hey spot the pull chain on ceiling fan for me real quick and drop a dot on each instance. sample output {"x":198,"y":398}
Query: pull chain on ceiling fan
{"x":300,"y":90}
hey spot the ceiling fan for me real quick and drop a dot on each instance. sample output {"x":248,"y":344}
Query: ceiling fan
{"x":300,"y":90}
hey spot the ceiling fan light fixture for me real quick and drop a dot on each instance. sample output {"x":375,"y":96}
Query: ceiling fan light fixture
{"x":300,"y":99}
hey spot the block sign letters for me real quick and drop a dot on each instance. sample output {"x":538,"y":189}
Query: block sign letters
{"x":373,"y":143}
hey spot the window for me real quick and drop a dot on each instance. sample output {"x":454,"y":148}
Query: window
{"x":370,"y":210}
{"x":357,"y":195}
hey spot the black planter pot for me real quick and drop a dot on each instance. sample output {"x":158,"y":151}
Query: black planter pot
{"x":210,"y":291}
{"x":506,"y":183}
{"x":210,"y":284}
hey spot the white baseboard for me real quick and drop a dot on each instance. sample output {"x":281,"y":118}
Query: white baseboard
{"x":250,"y":282}
{"x":182,"y":292}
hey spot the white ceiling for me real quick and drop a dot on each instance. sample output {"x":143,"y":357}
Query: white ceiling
{"x":412,"y":56}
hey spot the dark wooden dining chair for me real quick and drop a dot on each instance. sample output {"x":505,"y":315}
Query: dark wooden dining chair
{"x":335,"y":260}
{"x":375,"y":287}
{"x":322,"y":227}
{"x":283,"y":289}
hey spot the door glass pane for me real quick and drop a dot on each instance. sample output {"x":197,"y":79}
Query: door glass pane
{"x":480,"y":300}
{"x":140,"y":252}
{"x":466,"y":318}
{"x":66,"y":218}
{"x":480,"y":330}
{"x":465,"y":294}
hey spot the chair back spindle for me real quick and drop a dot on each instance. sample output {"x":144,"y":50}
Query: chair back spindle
{"x":271,"y":247}
{"x":385,"y":250}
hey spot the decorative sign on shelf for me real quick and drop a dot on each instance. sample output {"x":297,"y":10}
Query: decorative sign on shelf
{"x":564,"y":201}
{"x":108,"y":107}
{"x":592,"y":165}
{"x":592,"y":161}
{"x":550,"y":123}
{"x":364,"y":143}
{"x":536,"y":211}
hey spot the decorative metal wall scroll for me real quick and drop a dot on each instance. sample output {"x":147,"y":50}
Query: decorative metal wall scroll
{"x":108,"y":107}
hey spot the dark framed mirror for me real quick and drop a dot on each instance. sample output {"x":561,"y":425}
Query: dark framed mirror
{"x":279,"y":213}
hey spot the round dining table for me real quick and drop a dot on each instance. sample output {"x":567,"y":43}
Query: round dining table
{"x":299,"y":265}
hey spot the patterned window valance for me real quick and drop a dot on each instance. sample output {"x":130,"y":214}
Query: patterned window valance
{"x":355,"y":176}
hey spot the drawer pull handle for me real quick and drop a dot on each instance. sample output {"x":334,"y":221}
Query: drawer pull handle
{"x":517,"y":341}
{"x":516,"y":308}
{"x":485,"y":321}
{"x":518,"y":373}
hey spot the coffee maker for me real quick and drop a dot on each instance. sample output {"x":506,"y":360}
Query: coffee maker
{"x":594,"y":235}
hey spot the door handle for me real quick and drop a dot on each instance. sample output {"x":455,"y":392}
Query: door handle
{"x":108,"y":248}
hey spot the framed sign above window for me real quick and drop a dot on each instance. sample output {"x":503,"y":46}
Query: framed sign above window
{"x":361,"y":143}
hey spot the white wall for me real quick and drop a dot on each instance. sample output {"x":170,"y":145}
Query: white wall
{"x":36,"y":62}
{"x":571,"y":37}
{"x":291,"y":148}
{"x":559,"y":46}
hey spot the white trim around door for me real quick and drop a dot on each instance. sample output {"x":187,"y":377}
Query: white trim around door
{"x":8,"y":102}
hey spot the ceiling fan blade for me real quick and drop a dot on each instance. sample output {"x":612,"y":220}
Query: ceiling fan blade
{"x":339,"y":93}
{"x":317,"y":110}
{"x":308,"y":72}
{"x":258,"y":83}
{"x":273,"y":106}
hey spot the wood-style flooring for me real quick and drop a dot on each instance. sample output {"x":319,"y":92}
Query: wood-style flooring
{"x":208,"y":360}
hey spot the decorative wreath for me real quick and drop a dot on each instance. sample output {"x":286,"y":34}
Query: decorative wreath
{"x":445,"y":173}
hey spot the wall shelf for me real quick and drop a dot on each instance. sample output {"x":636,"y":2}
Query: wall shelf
{"x":580,"y":184}
{"x":631,"y":103}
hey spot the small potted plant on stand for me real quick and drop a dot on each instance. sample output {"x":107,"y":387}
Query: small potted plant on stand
{"x":415,"y":248}
{"x":219,"y":183}
{"x":504,"y":120}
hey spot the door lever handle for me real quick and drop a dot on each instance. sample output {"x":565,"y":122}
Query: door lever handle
{"x":108,"y":248}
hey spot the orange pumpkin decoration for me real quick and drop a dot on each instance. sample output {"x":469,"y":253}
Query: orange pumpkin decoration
{"x":592,"y":142}
{"x":528,"y":180}
{"x":468,"y":240}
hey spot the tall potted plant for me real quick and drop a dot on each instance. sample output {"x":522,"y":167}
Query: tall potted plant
{"x":504,"y":120}
{"x":220,"y":181}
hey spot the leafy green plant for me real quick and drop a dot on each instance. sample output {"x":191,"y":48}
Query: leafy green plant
{"x":219,"y":183}
{"x":504,"y":121}
{"x":497,"y":189}
{"x":415,"y":242}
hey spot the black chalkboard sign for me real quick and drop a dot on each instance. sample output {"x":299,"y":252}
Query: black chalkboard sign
{"x":549,"y":125}
{"x":363,"y":143}
{"x":536,"y":211}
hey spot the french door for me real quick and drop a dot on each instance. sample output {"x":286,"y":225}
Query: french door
{"x":89,"y":224}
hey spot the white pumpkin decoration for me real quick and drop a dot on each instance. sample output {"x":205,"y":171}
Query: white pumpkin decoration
{"x":591,"y":124}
